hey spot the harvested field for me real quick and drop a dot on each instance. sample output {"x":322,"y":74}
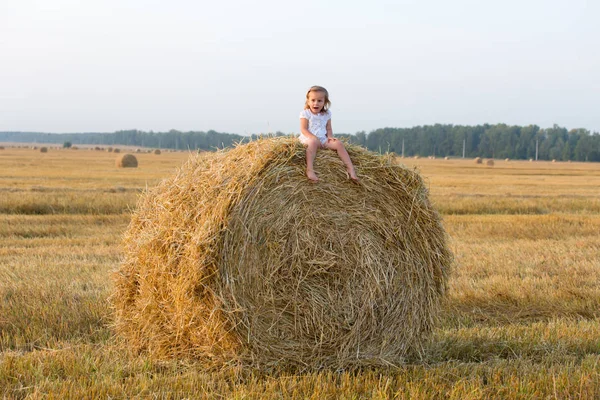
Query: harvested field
{"x":521,"y":319}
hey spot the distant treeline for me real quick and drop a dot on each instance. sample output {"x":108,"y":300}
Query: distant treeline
{"x":492,"y":141}
{"x":173,"y":139}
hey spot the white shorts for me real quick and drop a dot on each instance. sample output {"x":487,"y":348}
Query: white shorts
{"x":304,"y":139}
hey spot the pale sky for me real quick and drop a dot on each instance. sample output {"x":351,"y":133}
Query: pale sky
{"x":244,"y":67}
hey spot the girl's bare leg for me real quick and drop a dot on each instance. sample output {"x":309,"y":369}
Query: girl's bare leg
{"x":311,"y":153}
{"x":344,"y":156}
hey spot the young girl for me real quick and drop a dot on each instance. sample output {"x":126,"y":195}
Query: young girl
{"x":315,"y":125}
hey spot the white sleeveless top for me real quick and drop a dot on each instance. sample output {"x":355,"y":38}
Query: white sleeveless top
{"x":317,"y":123}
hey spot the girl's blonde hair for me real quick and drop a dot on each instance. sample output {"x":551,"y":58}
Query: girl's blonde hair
{"x":321,"y":89}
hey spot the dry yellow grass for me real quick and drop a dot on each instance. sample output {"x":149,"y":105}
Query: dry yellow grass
{"x":519,"y":187}
{"x":521,"y":320}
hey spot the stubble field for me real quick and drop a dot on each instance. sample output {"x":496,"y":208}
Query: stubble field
{"x":522,"y":318}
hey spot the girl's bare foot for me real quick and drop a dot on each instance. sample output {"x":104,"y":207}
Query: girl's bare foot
{"x":310,"y":174}
{"x":352,"y":175}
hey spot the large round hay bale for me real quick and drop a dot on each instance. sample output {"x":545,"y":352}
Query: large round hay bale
{"x":43,"y":149}
{"x":126,"y":161}
{"x":478,"y":160}
{"x":489,"y":163}
{"x":157,"y":151}
{"x":240,"y":258}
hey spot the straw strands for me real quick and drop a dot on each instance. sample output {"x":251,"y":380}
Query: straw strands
{"x":239,"y":258}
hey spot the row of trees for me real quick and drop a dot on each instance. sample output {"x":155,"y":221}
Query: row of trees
{"x":172,"y":139}
{"x":493,"y":141}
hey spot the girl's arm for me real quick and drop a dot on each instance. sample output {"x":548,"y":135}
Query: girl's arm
{"x":329,"y":130}
{"x":304,"y":128}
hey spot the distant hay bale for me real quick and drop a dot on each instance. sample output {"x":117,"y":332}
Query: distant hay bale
{"x":97,"y":148}
{"x":489,"y":163}
{"x":138,"y":150}
{"x":478,"y":160}
{"x":117,"y":150}
{"x":553,"y":160}
{"x":416,"y":157}
{"x":1,"y":147}
{"x":507,"y":159}
{"x":239,"y":258}
{"x":531,"y":160}
{"x":126,"y":161}
{"x":43,"y":149}
{"x":74,"y":148}
{"x":446,"y":158}
{"x":109,"y":149}
{"x":157,"y":151}
{"x":34,"y":147}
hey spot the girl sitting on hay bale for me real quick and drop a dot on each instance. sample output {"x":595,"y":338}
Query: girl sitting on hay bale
{"x":316,"y":132}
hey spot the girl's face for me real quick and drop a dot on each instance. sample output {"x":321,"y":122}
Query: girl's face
{"x":316,"y":101}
